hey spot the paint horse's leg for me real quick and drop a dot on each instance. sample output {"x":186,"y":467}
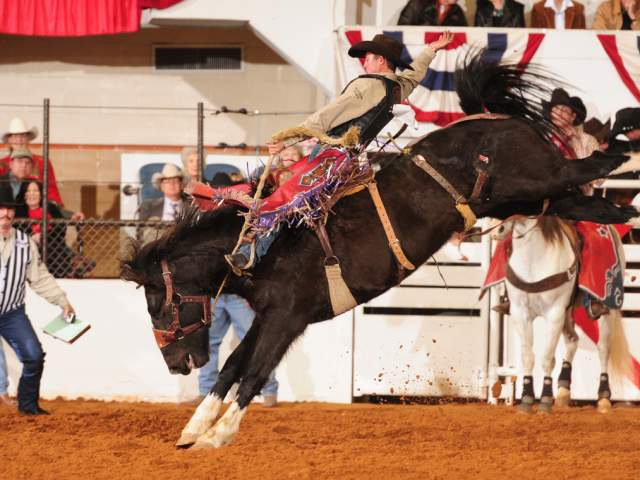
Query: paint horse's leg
{"x":604,"y":343}
{"x":208,"y":410}
{"x":555,"y":323}
{"x":524,"y":326}
{"x":571,"y":345}
{"x":274,"y":338}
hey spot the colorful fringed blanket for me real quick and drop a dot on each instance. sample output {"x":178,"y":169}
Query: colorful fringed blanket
{"x":313,"y":186}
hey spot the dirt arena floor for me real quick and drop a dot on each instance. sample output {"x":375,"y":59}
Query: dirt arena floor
{"x":95,"y":440}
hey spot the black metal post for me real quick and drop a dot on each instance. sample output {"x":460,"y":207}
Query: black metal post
{"x":201,"y":164}
{"x":45,"y":178}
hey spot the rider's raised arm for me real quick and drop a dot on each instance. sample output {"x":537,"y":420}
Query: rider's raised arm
{"x":409,"y":79}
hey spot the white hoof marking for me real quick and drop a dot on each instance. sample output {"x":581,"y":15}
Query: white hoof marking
{"x":563,"y":398}
{"x":201,"y":421}
{"x":604,"y":405}
{"x":225,"y":430}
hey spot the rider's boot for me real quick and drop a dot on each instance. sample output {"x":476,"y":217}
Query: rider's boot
{"x":243,"y":259}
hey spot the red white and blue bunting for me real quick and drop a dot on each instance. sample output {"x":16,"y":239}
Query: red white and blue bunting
{"x":435,"y":99}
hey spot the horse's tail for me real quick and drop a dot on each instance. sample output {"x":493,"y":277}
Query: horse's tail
{"x":620,"y":359}
{"x":488,"y":86}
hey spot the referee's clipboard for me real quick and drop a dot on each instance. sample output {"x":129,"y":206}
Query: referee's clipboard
{"x":68,"y":332}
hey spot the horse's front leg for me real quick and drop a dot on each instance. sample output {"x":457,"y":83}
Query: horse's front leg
{"x":524,"y":326}
{"x":208,"y":410}
{"x":555,"y":323}
{"x":274,"y":338}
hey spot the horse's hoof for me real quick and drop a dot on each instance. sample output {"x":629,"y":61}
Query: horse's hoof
{"x":563,"y":398}
{"x":545,"y":407}
{"x":186,"y":440}
{"x":604,"y":405}
{"x":525,"y":408}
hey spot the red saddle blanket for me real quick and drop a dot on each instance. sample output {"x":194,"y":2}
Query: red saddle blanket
{"x":600,"y":275}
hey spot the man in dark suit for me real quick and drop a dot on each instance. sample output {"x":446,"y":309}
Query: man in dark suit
{"x":167,"y":208}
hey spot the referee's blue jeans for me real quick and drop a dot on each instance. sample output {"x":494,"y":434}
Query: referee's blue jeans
{"x":17,"y":331}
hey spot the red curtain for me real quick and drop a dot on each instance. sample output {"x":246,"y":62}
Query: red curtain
{"x":157,"y":3}
{"x":69,"y":18}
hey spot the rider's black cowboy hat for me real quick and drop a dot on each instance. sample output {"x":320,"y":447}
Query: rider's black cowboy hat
{"x":560,"y":97}
{"x":6,"y":194}
{"x":388,"y":47}
{"x":627,"y":119}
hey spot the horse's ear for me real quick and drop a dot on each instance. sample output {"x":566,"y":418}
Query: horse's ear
{"x":129,"y":249}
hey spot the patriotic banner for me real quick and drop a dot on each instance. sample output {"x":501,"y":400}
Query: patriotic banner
{"x":435,"y":99}
{"x":623,"y":48}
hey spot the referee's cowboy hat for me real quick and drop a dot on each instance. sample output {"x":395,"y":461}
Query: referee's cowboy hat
{"x":383,"y":45}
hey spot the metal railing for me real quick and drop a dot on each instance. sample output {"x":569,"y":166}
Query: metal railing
{"x":90,"y":248}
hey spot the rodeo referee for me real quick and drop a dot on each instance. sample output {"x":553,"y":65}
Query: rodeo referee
{"x":20,"y":263}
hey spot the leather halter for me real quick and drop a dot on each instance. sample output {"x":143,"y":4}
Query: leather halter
{"x":176,"y":331}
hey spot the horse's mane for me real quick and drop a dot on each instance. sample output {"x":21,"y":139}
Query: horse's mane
{"x":553,"y":229}
{"x":488,"y":86}
{"x":190,"y":222}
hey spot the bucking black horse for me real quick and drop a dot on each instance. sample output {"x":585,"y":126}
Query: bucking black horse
{"x":288,"y":289}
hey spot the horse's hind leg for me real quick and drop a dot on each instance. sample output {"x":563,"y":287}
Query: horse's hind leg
{"x":604,"y":391}
{"x":571,"y":345}
{"x":208,"y":410}
{"x":273,"y":340}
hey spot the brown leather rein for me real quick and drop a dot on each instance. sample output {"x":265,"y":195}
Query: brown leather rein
{"x":176,"y":331}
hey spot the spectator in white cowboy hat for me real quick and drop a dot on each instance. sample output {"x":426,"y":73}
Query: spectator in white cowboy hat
{"x":18,"y":136}
{"x":171,"y":183}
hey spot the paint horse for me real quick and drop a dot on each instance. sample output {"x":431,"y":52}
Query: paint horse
{"x":288,"y":289}
{"x":542,"y":281}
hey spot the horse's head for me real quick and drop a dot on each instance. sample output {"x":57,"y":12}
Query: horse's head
{"x":180,"y":274}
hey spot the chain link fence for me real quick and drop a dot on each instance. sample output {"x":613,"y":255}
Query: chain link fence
{"x":89,"y":248}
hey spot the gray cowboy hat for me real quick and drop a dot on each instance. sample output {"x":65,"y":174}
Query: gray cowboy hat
{"x":388,"y":47}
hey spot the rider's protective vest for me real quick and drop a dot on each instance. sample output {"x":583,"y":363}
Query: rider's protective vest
{"x":374,"y":120}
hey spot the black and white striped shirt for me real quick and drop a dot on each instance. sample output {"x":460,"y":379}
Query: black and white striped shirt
{"x":13,"y":274}
{"x":20,"y":263}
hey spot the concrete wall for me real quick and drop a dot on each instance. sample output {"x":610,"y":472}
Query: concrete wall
{"x":118,"y":71}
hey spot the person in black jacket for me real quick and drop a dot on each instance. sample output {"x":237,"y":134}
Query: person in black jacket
{"x":499,"y":13}
{"x":433,"y":12}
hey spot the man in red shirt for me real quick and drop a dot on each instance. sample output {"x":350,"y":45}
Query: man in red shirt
{"x":18,"y":137}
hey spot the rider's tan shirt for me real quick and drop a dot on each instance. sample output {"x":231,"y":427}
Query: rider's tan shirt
{"x":365,"y":93}
{"x":39,"y":278}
